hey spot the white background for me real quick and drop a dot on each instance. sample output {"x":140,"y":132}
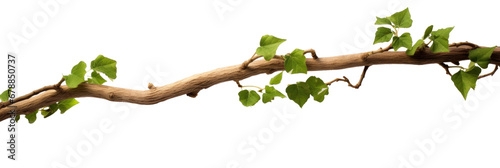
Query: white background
{"x":165,"y":41}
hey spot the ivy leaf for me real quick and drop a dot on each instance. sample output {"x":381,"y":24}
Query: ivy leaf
{"x":96,"y":78}
{"x":403,"y":41}
{"x":5,"y":95}
{"x":440,"y":40}
{"x":296,"y":62}
{"x":268,"y":46}
{"x":298,"y":92}
{"x":52,"y":109}
{"x":104,"y":65}
{"x":31,"y":117}
{"x":77,"y":75}
{"x":67,"y":104}
{"x":270,"y":93}
{"x":465,"y":80}
{"x":481,"y":56}
{"x":401,"y":19}
{"x":427,"y":32}
{"x":383,"y":21}
{"x":18,"y":117}
{"x":318,"y":88}
{"x":248,"y":98}
{"x":276,"y":79}
{"x":383,"y":34}
{"x":419,"y":44}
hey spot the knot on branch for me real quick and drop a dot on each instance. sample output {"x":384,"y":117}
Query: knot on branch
{"x":111,"y":95}
{"x":193,"y":94}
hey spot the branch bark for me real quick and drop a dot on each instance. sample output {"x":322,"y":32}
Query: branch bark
{"x":192,"y":85}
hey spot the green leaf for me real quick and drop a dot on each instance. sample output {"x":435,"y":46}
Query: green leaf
{"x":268,"y":46}
{"x":79,"y":69}
{"x":318,"y":88}
{"x":276,"y":79}
{"x":104,"y":65}
{"x":270,"y":93}
{"x":31,"y":117}
{"x":296,"y":62}
{"x":5,"y":95}
{"x":419,"y":44}
{"x":383,"y":34}
{"x":481,"y":56}
{"x":427,"y":32}
{"x":96,"y":78}
{"x":73,"y":81}
{"x":401,"y":19}
{"x":403,"y":41}
{"x":465,"y":80}
{"x":383,"y":21}
{"x":52,"y":109}
{"x":248,"y":98}
{"x":77,"y":75}
{"x":440,"y":40}
{"x":298,"y":92}
{"x":18,"y":117}
{"x":67,"y":104}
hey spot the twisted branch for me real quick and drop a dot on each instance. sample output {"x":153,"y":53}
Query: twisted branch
{"x":192,"y":85}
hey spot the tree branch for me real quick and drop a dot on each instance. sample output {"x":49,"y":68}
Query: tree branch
{"x":446,"y":68}
{"x":345,"y":79}
{"x":192,"y":85}
{"x":489,"y":74}
{"x":33,"y":93}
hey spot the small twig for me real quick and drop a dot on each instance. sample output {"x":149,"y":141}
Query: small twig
{"x":313,"y":53}
{"x":33,"y":93}
{"x":489,"y":74}
{"x":345,"y":79}
{"x":446,"y":67}
{"x":58,"y":85}
{"x":380,"y":50}
{"x":245,"y":64}
{"x":466,"y":43}
{"x":238,"y":83}
{"x":151,"y":86}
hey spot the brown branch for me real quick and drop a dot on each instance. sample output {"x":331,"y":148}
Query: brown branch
{"x":472,"y":45}
{"x":446,"y":68}
{"x":33,"y":93}
{"x":489,"y":74}
{"x":345,"y":79}
{"x":313,"y":53}
{"x":205,"y":80}
{"x":238,"y":83}
{"x":59,"y":83}
{"x":380,"y":50}
{"x":254,"y":57}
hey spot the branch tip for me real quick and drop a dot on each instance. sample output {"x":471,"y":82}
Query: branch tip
{"x":151,"y":86}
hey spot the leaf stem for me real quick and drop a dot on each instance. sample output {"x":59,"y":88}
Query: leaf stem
{"x":260,"y":89}
{"x":428,"y":43}
{"x":457,"y":67}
